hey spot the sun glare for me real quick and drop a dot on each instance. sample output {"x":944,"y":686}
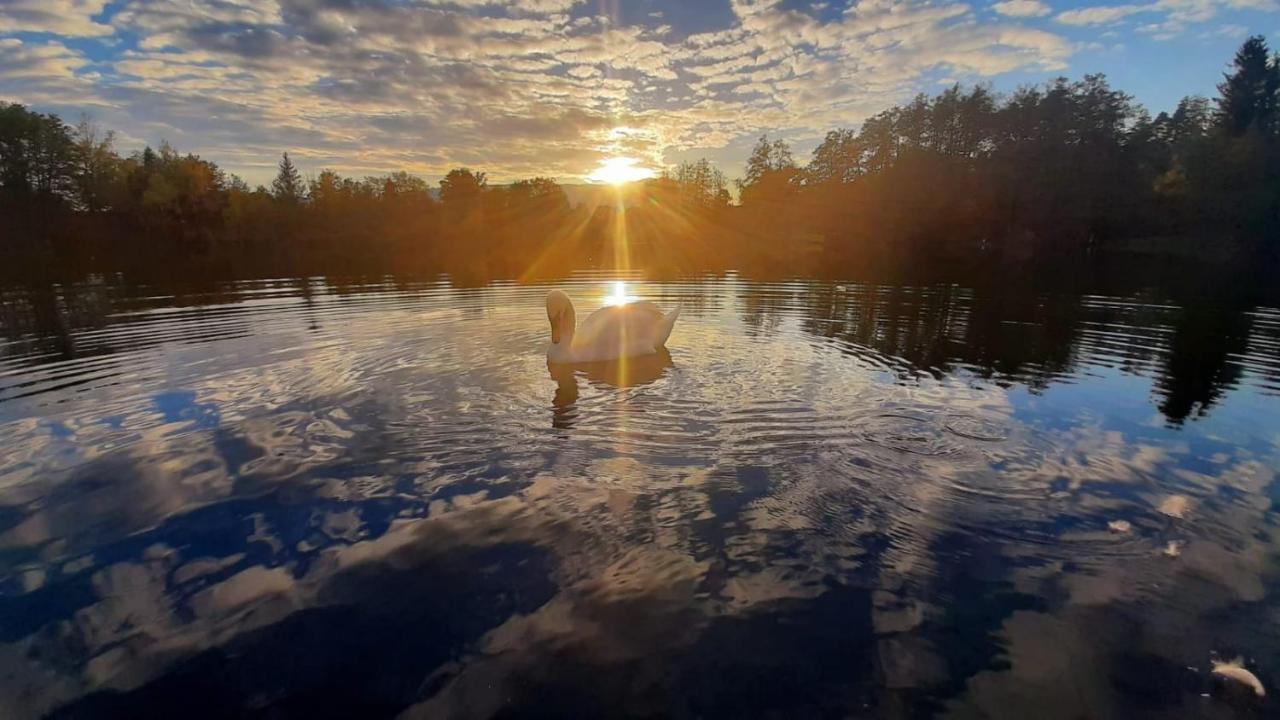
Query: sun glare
{"x":619,"y":170}
{"x":619,"y":295}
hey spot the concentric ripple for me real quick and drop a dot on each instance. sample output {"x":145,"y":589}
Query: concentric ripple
{"x":935,"y":471}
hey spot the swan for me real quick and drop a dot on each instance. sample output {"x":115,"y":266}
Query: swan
{"x":610,"y":333}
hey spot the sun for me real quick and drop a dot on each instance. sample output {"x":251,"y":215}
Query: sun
{"x":619,"y":170}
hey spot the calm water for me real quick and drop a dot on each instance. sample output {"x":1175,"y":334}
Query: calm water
{"x":304,"y":498}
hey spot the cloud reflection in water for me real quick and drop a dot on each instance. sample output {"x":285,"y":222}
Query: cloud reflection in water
{"x":810,"y":505}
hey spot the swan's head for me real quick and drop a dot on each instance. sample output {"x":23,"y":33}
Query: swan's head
{"x":560,"y":314}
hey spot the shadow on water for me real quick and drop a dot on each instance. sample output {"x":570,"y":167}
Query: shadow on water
{"x":618,"y":374}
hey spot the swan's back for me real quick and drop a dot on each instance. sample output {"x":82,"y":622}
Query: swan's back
{"x":625,"y":329}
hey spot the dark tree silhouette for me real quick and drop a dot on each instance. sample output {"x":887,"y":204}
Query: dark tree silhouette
{"x":699,"y":184}
{"x":37,"y":156}
{"x":1249,"y":93}
{"x":462,"y":188}
{"x":771,"y":171}
{"x":288,"y":186}
{"x":839,"y":159}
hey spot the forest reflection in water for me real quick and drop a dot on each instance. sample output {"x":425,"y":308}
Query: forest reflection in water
{"x":325,"y":497}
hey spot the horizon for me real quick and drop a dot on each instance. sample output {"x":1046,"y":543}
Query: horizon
{"x":561,"y":88}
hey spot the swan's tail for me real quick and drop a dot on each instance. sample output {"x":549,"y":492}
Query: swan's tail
{"x":664,"y":330}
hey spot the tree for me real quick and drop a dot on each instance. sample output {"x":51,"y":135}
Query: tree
{"x":1190,"y":121}
{"x":37,"y":156}
{"x":326,"y":190}
{"x":700,"y":185}
{"x":405,"y":188}
{"x":288,"y":186}
{"x":540,"y":197}
{"x":766,"y":157}
{"x":462,"y":188}
{"x":879,"y":138}
{"x":771,"y":173}
{"x":1249,"y":94}
{"x":97,"y":166}
{"x":838,"y":159}
{"x":1062,"y":166}
{"x":173,"y":196}
{"x":960,"y":124}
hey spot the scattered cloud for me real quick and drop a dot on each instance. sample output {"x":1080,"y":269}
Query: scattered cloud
{"x":378,"y":85}
{"x":1022,"y":8}
{"x":69,"y":18}
{"x":1174,"y":15}
{"x":1100,"y":15}
{"x":44,"y":72}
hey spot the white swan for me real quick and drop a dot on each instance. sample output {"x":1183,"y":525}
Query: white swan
{"x":610,"y":333}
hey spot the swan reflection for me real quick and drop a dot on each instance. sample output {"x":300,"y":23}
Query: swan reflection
{"x":625,"y":373}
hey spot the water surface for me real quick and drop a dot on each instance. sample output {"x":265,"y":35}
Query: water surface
{"x":316,"y":498}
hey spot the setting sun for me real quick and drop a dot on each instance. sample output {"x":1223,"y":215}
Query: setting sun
{"x":619,"y":170}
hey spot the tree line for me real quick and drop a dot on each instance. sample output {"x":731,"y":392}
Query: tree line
{"x":1064,"y":168}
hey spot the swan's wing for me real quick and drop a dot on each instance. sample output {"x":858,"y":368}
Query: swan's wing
{"x":663,"y":330}
{"x":620,"y":326}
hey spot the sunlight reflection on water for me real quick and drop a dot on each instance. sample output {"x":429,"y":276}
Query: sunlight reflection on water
{"x":823,"y":499}
{"x":619,"y":295}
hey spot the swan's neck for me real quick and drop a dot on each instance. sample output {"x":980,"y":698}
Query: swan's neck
{"x":568,"y":326}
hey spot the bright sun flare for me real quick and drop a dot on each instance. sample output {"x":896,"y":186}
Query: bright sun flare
{"x":619,"y":296}
{"x":619,"y":170}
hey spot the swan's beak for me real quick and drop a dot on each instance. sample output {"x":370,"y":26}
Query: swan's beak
{"x":555,"y":329}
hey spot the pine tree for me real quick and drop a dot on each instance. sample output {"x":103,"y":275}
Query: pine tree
{"x":287,"y":187}
{"x":1249,"y":94}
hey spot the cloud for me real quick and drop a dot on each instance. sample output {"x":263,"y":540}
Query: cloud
{"x":69,"y":18}
{"x":1100,"y":15}
{"x":1230,"y":31}
{"x":1177,"y":14}
{"x":48,"y":73}
{"x":36,"y":61}
{"x":1263,"y":5}
{"x":1022,"y":8}
{"x":518,"y":88}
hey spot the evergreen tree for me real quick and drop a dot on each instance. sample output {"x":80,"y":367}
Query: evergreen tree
{"x":1249,"y":94}
{"x":287,"y":187}
{"x":1191,"y":119}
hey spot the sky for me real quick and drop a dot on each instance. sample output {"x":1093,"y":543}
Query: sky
{"x":523,"y":88}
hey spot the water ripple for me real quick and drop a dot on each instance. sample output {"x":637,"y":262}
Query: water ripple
{"x":186,"y":473}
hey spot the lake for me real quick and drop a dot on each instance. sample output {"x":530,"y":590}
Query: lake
{"x":369,"y":498}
